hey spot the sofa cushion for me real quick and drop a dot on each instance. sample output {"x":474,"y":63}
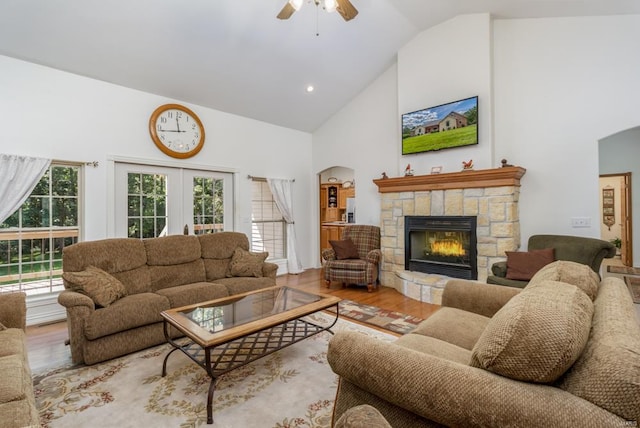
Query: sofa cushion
{"x":129,"y":312}
{"x":216,"y":268}
{"x":111,"y":255}
{"x":20,"y":413}
{"x":104,"y":289}
{"x":222,"y":245}
{"x":537,"y":335}
{"x":608,"y":371}
{"x":13,"y":342}
{"x":239,"y":285}
{"x":178,"y":274}
{"x":247,"y":263}
{"x":172,"y":250}
{"x":522,"y":265}
{"x":436,"y":347}
{"x":452,"y":325}
{"x":570,"y":272}
{"x":189,"y":294}
{"x":344,"y":249}
{"x":13,"y":386}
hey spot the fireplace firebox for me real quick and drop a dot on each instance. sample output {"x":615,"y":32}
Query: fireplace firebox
{"x":445,"y":245}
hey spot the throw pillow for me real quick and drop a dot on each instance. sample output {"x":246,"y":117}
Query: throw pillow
{"x":245,"y":263}
{"x":582,"y":276}
{"x":537,"y":335}
{"x":524,"y":264}
{"x":102,"y":287}
{"x":345,"y":249}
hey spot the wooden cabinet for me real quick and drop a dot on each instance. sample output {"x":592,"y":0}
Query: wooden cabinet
{"x":343,"y":195}
{"x":333,"y":208}
{"x":329,"y":233}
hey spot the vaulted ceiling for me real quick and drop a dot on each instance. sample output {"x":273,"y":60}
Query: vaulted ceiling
{"x":235,"y":56}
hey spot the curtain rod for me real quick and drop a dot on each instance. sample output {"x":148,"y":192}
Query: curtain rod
{"x":251,"y":177}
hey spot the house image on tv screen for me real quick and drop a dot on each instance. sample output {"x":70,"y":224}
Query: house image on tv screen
{"x":452,"y":121}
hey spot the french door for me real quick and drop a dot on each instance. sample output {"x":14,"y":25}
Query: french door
{"x":153,"y":201}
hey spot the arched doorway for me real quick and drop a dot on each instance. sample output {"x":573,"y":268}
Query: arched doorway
{"x":337,"y":203}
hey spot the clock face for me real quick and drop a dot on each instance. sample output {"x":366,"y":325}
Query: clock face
{"x":176,"y":130}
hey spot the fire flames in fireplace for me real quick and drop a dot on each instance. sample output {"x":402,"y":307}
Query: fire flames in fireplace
{"x":447,"y":247}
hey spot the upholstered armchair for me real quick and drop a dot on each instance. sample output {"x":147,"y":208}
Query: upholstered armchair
{"x":351,"y":265}
{"x":587,"y":251}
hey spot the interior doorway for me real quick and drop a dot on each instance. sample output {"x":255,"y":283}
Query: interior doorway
{"x":615,"y":214}
{"x":337,"y":203}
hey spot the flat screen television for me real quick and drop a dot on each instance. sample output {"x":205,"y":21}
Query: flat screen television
{"x":454,"y":124}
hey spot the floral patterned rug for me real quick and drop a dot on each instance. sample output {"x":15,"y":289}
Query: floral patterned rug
{"x":293,"y":387}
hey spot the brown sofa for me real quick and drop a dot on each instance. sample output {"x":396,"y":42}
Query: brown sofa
{"x":17,"y":402}
{"x":494,"y":356}
{"x":144,"y":278}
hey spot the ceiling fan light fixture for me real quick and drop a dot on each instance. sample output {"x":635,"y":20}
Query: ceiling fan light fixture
{"x":296,"y":4}
{"x":330,"y":5}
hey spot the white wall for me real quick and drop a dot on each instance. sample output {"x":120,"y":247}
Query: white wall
{"x":447,"y":63}
{"x":560,"y":85}
{"x":363,"y":136}
{"x":49,"y":113}
{"x":548,"y":90}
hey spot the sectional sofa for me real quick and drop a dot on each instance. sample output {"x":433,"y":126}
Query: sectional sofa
{"x":17,"y":402}
{"x":116,"y":288}
{"x":562,"y":352}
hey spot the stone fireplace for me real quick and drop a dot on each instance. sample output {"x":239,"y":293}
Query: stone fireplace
{"x":491,"y":196}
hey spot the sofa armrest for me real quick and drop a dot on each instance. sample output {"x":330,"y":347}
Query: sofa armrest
{"x":328,"y":254}
{"x":70,"y":299}
{"x":13,"y":310}
{"x":374,"y":256}
{"x":269,"y":270}
{"x":499,"y":269}
{"x":476,"y":297}
{"x":455,"y":394}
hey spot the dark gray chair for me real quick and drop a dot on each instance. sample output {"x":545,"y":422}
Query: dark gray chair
{"x":588,"y":251}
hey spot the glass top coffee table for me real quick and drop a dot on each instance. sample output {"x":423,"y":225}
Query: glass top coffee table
{"x":227,"y":333}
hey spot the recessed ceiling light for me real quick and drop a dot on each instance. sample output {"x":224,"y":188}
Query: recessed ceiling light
{"x":310,"y":88}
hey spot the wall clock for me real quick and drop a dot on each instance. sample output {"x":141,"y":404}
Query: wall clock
{"x":176,"y":130}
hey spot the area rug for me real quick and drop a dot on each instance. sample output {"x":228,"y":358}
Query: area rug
{"x":293,"y":387}
{"x":633,"y":283}
{"x":388,"y":320}
{"x":624,"y":270}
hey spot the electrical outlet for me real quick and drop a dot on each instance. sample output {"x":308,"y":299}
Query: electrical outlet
{"x":580,"y":221}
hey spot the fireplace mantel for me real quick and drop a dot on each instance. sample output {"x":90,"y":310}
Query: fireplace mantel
{"x":497,"y":177}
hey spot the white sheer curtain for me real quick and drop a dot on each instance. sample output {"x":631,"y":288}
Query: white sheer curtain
{"x":18,"y":176}
{"x":281,"y":190}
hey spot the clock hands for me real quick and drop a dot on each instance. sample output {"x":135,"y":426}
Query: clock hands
{"x":170,"y":130}
{"x":177,"y":123}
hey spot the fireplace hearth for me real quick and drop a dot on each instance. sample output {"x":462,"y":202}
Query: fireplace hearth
{"x":445,"y":245}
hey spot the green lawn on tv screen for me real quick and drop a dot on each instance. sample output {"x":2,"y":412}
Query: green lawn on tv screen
{"x":440,"y":140}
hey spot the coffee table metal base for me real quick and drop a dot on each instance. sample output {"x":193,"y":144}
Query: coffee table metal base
{"x":220,"y":359}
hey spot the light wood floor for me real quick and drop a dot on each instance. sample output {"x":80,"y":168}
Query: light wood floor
{"x":46,"y":343}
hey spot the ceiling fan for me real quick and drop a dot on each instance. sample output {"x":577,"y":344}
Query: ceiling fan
{"x":344,"y":8}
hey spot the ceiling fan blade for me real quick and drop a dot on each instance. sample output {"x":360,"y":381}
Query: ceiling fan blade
{"x":286,"y":11}
{"x":346,"y":9}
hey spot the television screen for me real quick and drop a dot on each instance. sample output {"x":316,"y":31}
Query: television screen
{"x":441,"y":127}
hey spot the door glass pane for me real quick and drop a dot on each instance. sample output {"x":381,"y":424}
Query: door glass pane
{"x":147,"y":211}
{"x":208,"y":205}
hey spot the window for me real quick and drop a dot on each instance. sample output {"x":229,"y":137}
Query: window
{"x":268,"y":231}
{"x":32,"y":238}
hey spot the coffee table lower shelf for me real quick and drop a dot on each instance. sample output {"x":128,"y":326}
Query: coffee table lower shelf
{"x":222,"y":358}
